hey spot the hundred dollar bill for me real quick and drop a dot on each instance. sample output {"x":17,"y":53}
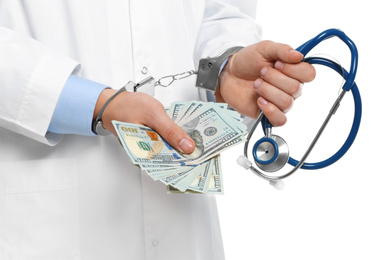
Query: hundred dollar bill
{"x":200,"y":183}
{"x":187,"y":110}
{"x":180,"y":111}
{"x":213,"y":127}
{"x":216,"y":182}
{"x":145,"y":146}
{"x":161,"y":173}
{"x":175,"y":110}
{"x":210,"y":130}
{"x":178,"y":177}
{"x":183,"y":183}
{"x":213,"y":184}
{"x":219,"y":149}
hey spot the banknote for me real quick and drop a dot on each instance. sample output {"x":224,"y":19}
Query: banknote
{"x":213,"y":127}
{"x":145,"y":146}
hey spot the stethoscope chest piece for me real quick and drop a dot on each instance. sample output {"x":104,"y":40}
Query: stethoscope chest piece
{"x":270,"y":153}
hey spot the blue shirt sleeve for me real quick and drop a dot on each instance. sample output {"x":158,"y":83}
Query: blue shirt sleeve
{"x":74,"y":111}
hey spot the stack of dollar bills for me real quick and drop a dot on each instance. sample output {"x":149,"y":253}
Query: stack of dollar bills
{"x":212,"y":126}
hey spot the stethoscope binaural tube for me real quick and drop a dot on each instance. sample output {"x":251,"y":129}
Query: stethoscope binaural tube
{"x":356,"y":120}
{"x":309,"y":45}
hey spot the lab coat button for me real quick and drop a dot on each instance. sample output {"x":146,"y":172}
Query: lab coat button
{"x":155,"y":243}
{"x":144,"y":70}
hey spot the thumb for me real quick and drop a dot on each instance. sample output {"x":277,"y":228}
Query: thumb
{"x":283,"y":52}
{"x":173,"y":134}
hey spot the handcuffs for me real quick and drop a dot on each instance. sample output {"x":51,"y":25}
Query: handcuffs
{"x":207,"y":78}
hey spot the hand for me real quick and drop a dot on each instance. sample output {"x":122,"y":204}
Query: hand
{"x":266,"y":76}
{"x":140,"y":108}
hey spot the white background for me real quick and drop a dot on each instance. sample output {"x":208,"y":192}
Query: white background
{"x":342,"y":211}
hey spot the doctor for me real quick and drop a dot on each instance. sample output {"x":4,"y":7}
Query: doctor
{"x":66,"y":193}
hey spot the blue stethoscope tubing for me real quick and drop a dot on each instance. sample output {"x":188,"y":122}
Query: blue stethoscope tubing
{"x":348,"y":85}
{"x":356,"y":120}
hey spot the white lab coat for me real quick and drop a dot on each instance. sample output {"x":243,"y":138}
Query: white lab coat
{"x":76,"y":197}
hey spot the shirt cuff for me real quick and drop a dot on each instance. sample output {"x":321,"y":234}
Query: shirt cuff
{"x":74,"y":110}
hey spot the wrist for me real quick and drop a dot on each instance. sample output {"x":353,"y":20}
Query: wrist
{"x":106,"y":110}
{"x":106,"y":97}
{"x":102,"y":99}
{"x":226,"y":71}
{"x":209,"y":69}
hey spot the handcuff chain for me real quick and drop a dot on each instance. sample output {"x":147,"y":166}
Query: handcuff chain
{"x":168,"y":80}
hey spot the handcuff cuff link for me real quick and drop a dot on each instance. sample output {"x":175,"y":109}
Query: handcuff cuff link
{"x":210,"y":68}
{"x":208,"y":73}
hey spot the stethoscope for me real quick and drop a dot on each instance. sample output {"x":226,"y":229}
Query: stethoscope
{"x":271,"y":152}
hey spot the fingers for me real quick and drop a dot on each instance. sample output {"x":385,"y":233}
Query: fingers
{"x":267,"y":76}
{"x":275,"y":116}
{"x":303,"y":72}
{"x":172,"y":133}
{"x":273,"y":102}
{"x":279,"y":51}
{"x":281,"y":81}
{"x":282,"y":100}
{"x":140,"y":108}
{"x":277,"y":91}
{"x":153,"y":115}
{"x":278,"y":87}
